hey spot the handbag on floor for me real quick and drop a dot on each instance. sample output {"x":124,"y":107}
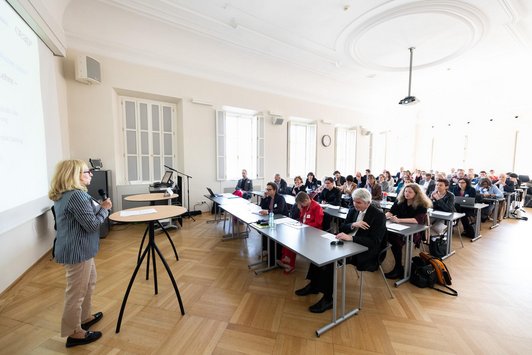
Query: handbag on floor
{"x":443,"y":275}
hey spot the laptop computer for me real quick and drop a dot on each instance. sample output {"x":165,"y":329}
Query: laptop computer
{"x":212,"y":193}
{"x":464,"y":201}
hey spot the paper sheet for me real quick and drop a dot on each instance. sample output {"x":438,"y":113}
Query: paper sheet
{"x":329,"y":236}
{"x":137,"y":212}
{"x":396,"y":226}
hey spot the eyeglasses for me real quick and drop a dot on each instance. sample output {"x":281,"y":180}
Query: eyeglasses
{"x":269,"y":189}
{"x":337,"y":242}
{"x":87,"y":172}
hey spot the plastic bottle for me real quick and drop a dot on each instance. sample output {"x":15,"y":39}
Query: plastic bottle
{"x":271,"y":222}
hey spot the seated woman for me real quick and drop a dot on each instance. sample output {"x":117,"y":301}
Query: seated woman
{"x":464,"y":189}
{"x":410,"y":207}
{"x":374,"y":189}
{"x":391,"y":181}
{"x":312,"y":183}
{"x":407,"y":179}
{"x":383,"y":183}
{"x":298,"y":186}
{"x":442,"y":200}
{"x":347,"y":189}
{"x":485,"y":189}
{"x":310,"y":213}
{"x":272,"y":202}
{"x":364,"y":224}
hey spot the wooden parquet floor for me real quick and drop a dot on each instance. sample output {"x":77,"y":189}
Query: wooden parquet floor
{"x":230,"y":310}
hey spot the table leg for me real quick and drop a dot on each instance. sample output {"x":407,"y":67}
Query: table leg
{"x":170,"y":239}
{"x":450,"y":250}
{"x":408,"y":260}
{"x":477,"y":226}
{"x":152,"y":242}
{"x":344,"y":316}
{"x":169,"y":271}
{"x":142,"y":242}
{"x":124,"y":301}
{"x":495,"y":223}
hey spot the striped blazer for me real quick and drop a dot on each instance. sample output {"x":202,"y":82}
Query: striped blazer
{"x":78,"y":220}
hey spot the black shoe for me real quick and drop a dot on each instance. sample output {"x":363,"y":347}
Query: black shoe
{"x":323,"y":305}
{"x":307,"y":290}
{"x":89,"y":338}
{"x":97,"y":317}
{"x":396,"y":273}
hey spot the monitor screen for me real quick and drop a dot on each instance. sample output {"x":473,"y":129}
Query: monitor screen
{"x":166,"y":178}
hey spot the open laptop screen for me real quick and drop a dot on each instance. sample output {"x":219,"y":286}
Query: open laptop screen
{"x":166,"y":177}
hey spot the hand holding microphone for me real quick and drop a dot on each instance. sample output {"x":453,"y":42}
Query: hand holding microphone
{"x":106,"y":202}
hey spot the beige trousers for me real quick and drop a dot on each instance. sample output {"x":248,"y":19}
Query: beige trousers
{"x":80,"y":282}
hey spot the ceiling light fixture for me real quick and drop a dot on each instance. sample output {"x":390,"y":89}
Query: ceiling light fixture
{"x":410,"y":100}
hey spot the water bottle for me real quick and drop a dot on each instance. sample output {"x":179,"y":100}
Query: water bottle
{"x":271,"y":223}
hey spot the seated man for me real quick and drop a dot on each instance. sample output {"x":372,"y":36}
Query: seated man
{"x":281,"y":184}
{"x":273,"y":202}
{"x":364,"y":224}
{"x":245,"y":185}
{"x":339,"y":180}
{"x":330,"y":195}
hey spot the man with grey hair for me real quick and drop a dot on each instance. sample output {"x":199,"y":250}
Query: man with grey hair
{"x":365,"y":224}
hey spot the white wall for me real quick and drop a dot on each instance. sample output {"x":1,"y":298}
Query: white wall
{"x":95,"y":123}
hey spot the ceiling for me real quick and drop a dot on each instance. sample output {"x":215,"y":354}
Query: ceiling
{"x":471,"y":59}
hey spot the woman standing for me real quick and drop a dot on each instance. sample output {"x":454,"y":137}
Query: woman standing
{"x":410,"y":207}
{"x":78,"y":220}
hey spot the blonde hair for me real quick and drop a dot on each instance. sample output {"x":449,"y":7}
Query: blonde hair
{"x":420,"y":199}
{"x":66,"y":178}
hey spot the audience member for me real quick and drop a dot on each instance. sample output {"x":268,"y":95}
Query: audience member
{"x":281,"y":184}
{"x":428,"y":184}
{"x":486,"y":190}
{"x":330,"y":195}
{"x":273,"y":202}
{"x":298,"y":186}
{"x":339,"y":180}
{"x":312,"y":183}
{"x":364,"y":224}
{"x":374,"y":189}
{"x":442,"y":200}
{"x":464,"y":189}
{"x":310,"y":213}
{"x":245,"y":185}
{"x":410,"y":207}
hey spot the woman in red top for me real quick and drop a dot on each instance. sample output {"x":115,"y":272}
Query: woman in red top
{"x":311,"y":214}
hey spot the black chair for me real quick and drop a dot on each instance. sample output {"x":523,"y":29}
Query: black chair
{"x":377,"y":266}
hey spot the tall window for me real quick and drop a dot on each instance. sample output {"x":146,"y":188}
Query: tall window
{"x":302,"y":148}
{"x":239,"y":144}
{"x":149,"y":131}
{"x":346,"y":144}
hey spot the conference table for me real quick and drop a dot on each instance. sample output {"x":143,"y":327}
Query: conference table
{"x":496,"y":201}
{"x":152,"y":198}
{"x":314,"y":245}
{"x":477,"y":207}
{"x":405,"y":229}
{"x":151,"y":215}
{"x":449,"y":218}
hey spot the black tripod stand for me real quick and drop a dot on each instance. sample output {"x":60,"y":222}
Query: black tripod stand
{"x":187,"y":214}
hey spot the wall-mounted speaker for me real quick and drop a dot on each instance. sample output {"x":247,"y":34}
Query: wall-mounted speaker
{"x":277,"y":121}
{"x":88,"y":70}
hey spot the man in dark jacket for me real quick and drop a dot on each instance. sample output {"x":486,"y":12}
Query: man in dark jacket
{"x":365,"y":224}
{"x":245,"y":185}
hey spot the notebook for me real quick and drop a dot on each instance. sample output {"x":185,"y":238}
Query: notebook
{"x":212,"y":193}
{"x":464,"y":201}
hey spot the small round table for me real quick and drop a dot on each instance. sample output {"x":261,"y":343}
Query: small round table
{"x":160,"y":196}
{"x":150,"y":214}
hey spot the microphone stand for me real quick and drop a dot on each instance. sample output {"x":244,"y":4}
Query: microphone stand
{"x":187,"y":214}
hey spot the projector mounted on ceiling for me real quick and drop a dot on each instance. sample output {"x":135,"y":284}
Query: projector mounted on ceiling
{"x":409,"y":100}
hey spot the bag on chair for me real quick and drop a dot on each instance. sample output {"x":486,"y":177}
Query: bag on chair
{"x":443,"y":276}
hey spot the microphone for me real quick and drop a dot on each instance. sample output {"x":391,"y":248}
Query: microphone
{"x":102,"y":194}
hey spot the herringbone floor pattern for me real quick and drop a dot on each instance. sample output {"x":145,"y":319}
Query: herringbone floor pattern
{"x":230,"y":310}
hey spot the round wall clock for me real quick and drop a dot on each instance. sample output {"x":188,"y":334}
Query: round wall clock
{"x":326,"y":140}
